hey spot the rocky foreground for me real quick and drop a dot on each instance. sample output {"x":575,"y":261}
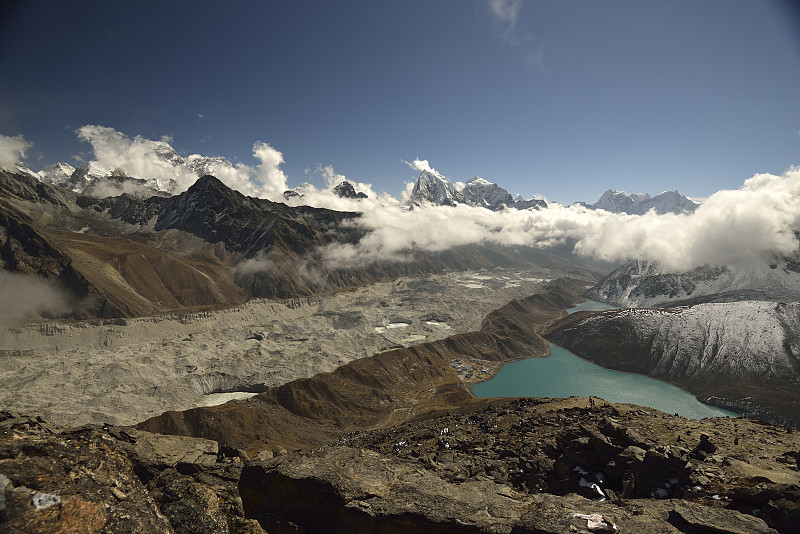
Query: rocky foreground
{"x":395,"y":443}
{"x":522,"y":466}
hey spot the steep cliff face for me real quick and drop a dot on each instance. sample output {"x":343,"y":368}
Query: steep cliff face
{"x":732,"y":350}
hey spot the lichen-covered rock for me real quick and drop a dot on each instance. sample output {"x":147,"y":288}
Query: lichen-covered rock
{"x":111,"y":480}
{"x":70,"y":481}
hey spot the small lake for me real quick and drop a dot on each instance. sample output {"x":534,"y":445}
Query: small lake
{"x":563,"y":374}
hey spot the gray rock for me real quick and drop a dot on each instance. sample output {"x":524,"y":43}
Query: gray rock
{"x":345,"y":489}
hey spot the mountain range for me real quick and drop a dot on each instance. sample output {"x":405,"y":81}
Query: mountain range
{"x":209,"y":246}
{"x":639,"y":204}
{"x":433,"y":188}
{"x":394,"y":441}
{"x":430,"y":188}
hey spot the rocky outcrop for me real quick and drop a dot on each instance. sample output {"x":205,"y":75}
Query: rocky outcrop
{"x":533,"y":465}
{"x":525,"y":465}
{"x":742,"y":355}
{"x":102,"y":479}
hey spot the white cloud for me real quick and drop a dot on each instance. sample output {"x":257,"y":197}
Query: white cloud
{"x":505,"y":14}
{"x":420,"y":165}
{"x":12,"y":151}
{"x":27,"y":297}
{"x":749,"y":224}
{"x":505,"y":11}
{"x":135,"y":156}
{"x":268,"y":172}
{"x":332,"y":179}
{"x":326,"y":198}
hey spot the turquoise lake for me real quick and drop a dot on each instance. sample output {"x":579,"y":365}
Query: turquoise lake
{"x":564,"y":374}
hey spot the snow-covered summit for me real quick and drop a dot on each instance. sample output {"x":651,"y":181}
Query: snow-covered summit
{"x":481,"y":192}
{"x":639,"y":204}
{"x":56,"y":174}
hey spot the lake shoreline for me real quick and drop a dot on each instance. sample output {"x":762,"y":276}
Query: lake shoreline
{"x":681,"y":401}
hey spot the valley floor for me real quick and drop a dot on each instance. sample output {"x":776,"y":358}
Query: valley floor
{"x":124,"y":371}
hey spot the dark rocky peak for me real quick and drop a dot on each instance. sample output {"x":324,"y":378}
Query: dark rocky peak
{"x":346,"y":190}
{"x":211,"y":210}
{"x":210,"y":187}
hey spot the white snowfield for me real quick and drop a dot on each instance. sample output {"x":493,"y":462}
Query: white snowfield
{"x":747,"y":339}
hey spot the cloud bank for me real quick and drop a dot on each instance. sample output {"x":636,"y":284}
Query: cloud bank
{"x":753,"y":223}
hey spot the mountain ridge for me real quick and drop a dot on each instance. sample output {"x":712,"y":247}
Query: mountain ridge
{"x":639,"y":204}
{"x":641,"y":283}
{"x":433,"y":188}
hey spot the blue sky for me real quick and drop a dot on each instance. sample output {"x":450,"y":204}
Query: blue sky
{"x":561,"y":98}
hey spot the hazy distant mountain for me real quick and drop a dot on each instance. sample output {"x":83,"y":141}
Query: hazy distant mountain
{"x":639,"y":204}
{"x":432,"y":188}
{"x":646,"y":283}
{"x":521,"y":203}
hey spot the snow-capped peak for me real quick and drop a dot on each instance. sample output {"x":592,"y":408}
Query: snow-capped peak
{"x":433,"y":188}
